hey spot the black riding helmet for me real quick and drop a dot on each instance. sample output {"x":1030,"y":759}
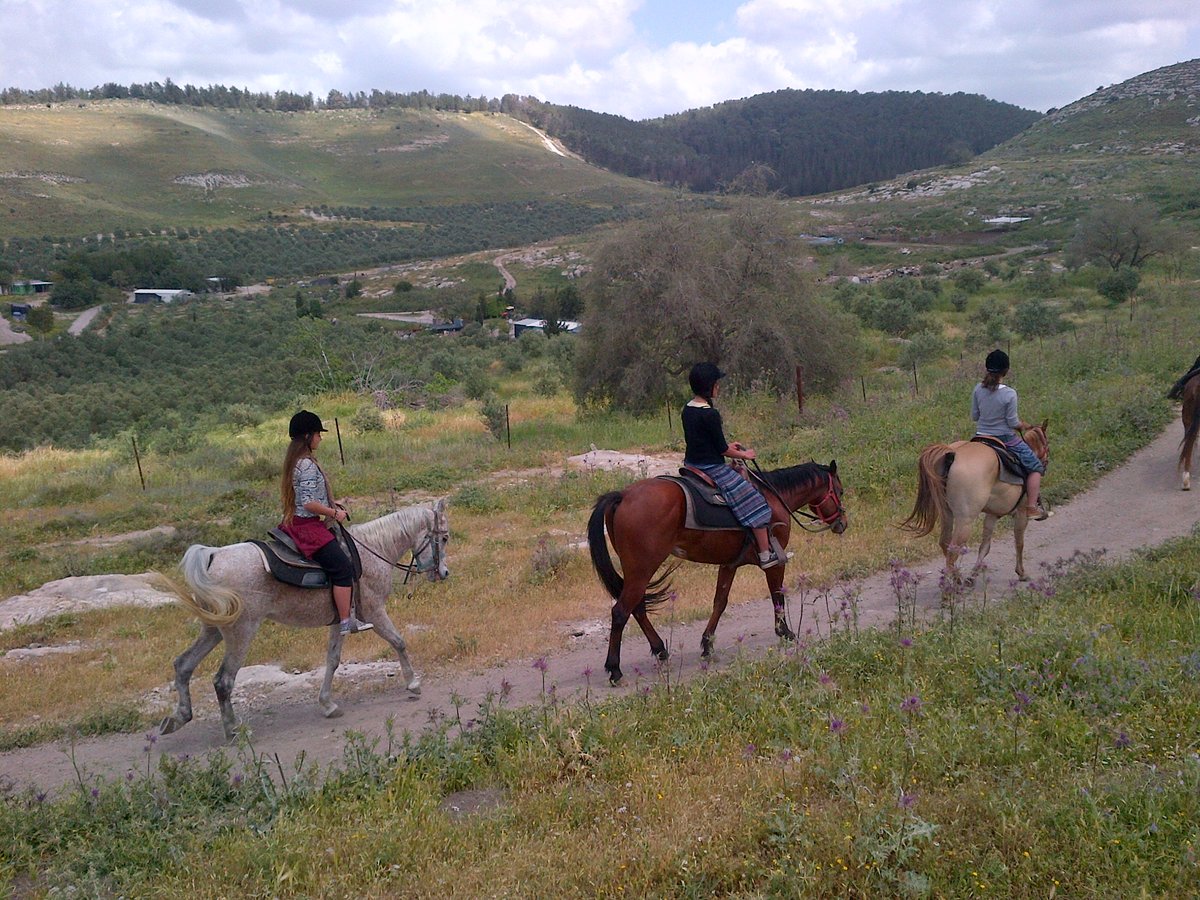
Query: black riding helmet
{"x":702,"y":378}
{"x":997,"y":362}
{"x":304,"y":422}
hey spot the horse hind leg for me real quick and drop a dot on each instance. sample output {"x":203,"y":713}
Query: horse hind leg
{"x":185,"y":665}
{"x":657,"y":646}
{"x":237,"y":644}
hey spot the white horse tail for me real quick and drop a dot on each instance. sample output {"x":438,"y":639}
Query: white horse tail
{"x":213,"y":603}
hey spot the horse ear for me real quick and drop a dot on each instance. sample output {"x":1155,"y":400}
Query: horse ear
{"x":833,"y":466}
{"x":1045,"y":423}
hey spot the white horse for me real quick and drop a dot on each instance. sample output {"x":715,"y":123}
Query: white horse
{"x":230,"y":591}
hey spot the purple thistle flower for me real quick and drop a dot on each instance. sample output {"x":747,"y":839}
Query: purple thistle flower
{"x":865,"y":709}
{"x":837,"y":726}
{"x":824,"y":678}
{"x":541,"y":665}
{"x":748,"y":751}
{"x":41,"y":797}
{"x":587,"y":672}
{"x":1123,"y":741}
{"x":237,"y":779}
{"x":906,"y":642}
{"x":785,"y":755}
{"x":911,"y":705}
{"x":95,"y":793}
{"x":907,"y":801}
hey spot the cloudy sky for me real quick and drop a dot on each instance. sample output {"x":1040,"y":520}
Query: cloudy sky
{"x":637,"y":58}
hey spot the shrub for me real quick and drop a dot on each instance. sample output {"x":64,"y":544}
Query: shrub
{"x":548,"y":561}
{"x":367,"y":418}
{"x":243,"y":415}
{"x":495,"y":416}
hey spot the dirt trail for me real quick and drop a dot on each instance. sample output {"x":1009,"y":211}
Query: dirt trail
{"x":1138,"y":505}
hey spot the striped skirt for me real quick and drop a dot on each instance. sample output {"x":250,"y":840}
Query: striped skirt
{"x":745,"y":502}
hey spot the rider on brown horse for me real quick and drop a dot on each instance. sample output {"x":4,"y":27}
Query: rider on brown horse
{"x":707,"y":449}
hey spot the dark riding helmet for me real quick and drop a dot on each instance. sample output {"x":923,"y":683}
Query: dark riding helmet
{"x":997,"y":362}
{"x":702,"y":378}
{"x":304,"y":422}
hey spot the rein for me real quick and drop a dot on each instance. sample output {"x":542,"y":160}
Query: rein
{"x":826,"y":522}
{"x":414,"y":567}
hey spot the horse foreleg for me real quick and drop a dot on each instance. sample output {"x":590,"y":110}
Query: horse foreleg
{"x":237,"y":644}
{"x":185,"y":665}
{"x":390,"y":633}
{"x":657,"y":646}
{"x":1021,"y":520}
{"x":333,"y":659}
{"x":720,"y":601}
{"x":779,"y":602}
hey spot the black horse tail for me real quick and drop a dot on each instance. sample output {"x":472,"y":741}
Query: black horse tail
{"x":1189,"y":434}
{"x":598,"y":545}
{"x":656,"y":592}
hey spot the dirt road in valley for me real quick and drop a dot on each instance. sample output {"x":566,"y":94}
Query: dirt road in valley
{"x":1138,"y":505}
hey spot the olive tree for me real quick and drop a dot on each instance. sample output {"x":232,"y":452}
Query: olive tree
{"x":1117,"y":234}
{"x":723,"y":286}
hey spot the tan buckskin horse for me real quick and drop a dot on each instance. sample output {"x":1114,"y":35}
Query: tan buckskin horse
{"x":956,"y":483}
{"x":1187,"y":391}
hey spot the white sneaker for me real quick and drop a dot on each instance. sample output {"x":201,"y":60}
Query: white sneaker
{"x":353,"y":626}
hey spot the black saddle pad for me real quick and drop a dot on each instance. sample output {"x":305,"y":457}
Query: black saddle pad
{"x":706,"y":506}
{"x":292,"y":567}
{"x":1009,"y":463}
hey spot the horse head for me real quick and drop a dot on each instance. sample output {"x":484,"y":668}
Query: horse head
{"x":429,"y":555}
{"x":829,"y":509}
{"x":1035,"y":437}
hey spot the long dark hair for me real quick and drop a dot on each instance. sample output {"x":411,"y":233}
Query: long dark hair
{"x":297,"y":449}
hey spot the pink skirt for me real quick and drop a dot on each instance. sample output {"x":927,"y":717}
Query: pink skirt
{"x":310,"y":534}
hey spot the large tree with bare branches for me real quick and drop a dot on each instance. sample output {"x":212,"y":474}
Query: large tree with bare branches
{"x":725,"y":286}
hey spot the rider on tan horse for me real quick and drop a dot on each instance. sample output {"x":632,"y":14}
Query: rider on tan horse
{"x":994,"y":410}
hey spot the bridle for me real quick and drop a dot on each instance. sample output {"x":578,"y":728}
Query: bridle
{"x":435,"y":536}
{"x":826,"y":521}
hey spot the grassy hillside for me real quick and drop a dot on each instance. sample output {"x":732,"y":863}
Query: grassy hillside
{"x":95,"y":167}
{"x":1135,"y":140}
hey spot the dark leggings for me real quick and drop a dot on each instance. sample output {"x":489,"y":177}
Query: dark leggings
{"x":336,"y":564}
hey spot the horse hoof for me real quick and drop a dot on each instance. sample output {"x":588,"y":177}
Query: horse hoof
{"x":170,"y":724}
{"x":662,"y":655}
{"x":706,"y":647}
{"x":414,"y":687}
{"x":614,"y":678}
{"x":335,"y":712}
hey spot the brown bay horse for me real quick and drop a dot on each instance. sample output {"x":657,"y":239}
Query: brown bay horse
{"x":1187,"y":391}
{"x":956,"y":483}
{"x":646,"y":524}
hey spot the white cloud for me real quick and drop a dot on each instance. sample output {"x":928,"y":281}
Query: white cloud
{"x":1036,"y":53}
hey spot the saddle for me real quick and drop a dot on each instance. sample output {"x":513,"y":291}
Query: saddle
{"x":282,"y":559}
{"x":707,"y":509}
{"x":1011,"y":470}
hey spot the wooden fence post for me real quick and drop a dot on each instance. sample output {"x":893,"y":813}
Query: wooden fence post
{"x":800,"y":389}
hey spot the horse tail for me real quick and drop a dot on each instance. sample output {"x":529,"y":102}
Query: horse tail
{"x":598,"y":544}
{"x":657,"y":590}
{"x":1192,"y":399}
{"x":211,"y":602}
{"x":932,"y":465}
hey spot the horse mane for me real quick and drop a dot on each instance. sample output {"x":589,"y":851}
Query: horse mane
{"x":386,"y":528}
{"x":796,"y":477}
{"x":1176,"y":390}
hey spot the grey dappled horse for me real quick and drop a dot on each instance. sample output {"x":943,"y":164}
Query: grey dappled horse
{"x":230,"y":591}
